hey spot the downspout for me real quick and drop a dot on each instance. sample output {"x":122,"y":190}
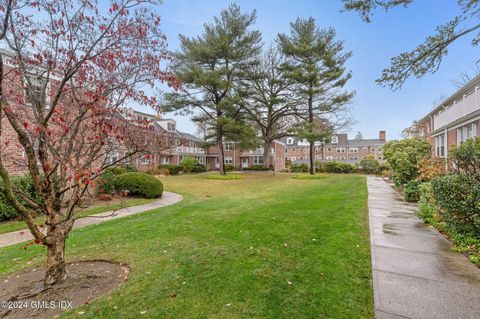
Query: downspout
{"x":446,"y":148}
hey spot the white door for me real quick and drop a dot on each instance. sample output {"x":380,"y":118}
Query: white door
{"x":245,"y":162}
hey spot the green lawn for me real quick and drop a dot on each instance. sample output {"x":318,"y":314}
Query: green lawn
{"x":263,"y":246}
{"x":10,"y":226}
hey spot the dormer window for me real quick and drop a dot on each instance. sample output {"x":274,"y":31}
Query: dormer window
{"x":34,"y":89}
{"x":289,"y":141}
{"x":334,"y":139}
{"x":171,"y":127}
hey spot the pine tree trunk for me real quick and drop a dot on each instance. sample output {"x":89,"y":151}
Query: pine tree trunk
{"x":266,"y":153}
{"x":312,"y":143}
{"x":56,"y":272}
{"x":221,"y":155}
{"x":312,"y":158}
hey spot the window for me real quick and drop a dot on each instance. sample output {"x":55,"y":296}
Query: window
{"x":340,"y":149}
{"x":329,"y":149}
{"x":258,"y":160}
{"x":379,"y":149}
{"x":440,"y":145}
{"x":353,"y":149}
{"x":329,"y":158}
{"x":228,"y":146}
{"x":379,"y":158}
{"x":466,"y":132}
{"x":364,"y":148}
{"x":145,"y":159}
{"x":294,"y":159}
{"x":228,"y":160}
{"x":171,"y":127}
{"x":334,"y":139}
{"x":353,"y":158}
{"x":272,"y":150}
{"x":289,"y":141}
{"x":34,"y":91}
{"x":165,"y":160}
{"x":112,"y":157}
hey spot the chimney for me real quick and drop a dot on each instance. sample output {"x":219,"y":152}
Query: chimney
{"x":382,"y":135}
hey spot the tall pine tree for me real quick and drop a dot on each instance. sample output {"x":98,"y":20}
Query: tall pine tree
{"x":316,"y":63}
{"x":210,"y":67}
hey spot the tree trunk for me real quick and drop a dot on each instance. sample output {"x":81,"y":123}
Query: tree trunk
{"x":310,"y":121}
{"x":312,"y":158}
{"x":221,"y":155}
{"x":56,"y":272}
{"x":266,"y":153}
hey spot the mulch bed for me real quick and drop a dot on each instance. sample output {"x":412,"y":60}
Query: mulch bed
{"x":25,"y":297}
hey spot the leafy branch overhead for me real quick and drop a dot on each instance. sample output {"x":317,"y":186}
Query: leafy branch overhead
{"x":427,"y":57}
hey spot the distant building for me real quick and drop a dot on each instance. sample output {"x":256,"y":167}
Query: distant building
{"x":339,"y":149}
{"x":243,"y":159}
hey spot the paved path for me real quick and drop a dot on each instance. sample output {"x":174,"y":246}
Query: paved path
{"x":415,"y":273}
{"x":167,"y":199}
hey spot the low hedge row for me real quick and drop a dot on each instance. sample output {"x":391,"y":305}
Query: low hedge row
{"x":138,"y":184}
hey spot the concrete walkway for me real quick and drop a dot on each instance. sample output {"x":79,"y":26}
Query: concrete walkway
{"x":415,"y":272}
{"x":167,"y":199}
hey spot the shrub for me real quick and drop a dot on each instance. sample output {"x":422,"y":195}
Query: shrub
{"x":404,"y":156}
{"x":140,"y":184}
{"x":229,"y":167}
{"x":411,"y":191}
{"x":257,"y":167}
{"x":299,"y":168}
{"x":370,"y":166}
{"x":171,"y":168}
{"x":199,"y":168}
{"x":320,"y":167}
{"x":105,"y":185}
{"x":466,"y":158}
{"x":105,"y":197}
{"x":25,"y":184}
{"x":339,"y":167}
{"x":458,"y":198}
{"x":429,"y":168}
{"x":188,"y":164}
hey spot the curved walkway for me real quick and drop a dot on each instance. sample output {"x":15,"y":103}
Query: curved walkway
{"x":167,"y":199}
{"x":415,"y":272}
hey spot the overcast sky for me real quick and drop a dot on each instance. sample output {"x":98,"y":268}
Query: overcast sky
{"x":374,"y":108}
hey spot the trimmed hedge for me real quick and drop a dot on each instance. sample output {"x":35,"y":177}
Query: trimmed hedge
{"x":199,"y":168}
{"x":370,"y":166}
{"x":458,"y":198}
{"x":139,"y":184}
{"x":257,"y":168}
{"x":171,"y":168}
{"x":229,"y":167}
{"x":106,"y":179}
{"x":299,"y":168}
{"x":340,"y":167}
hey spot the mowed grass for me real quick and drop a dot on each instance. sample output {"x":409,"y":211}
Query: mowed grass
{"x":261,"y":247}
{"x":14,"y":225}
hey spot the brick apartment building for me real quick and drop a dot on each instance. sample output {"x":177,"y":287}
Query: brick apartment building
{"x":242,"y":159}
{"x":452,"y":122}
{"x":340,"y":149}
{"x":188,"y":145}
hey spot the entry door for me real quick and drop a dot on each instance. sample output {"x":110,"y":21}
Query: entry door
{"x":245,"y":162}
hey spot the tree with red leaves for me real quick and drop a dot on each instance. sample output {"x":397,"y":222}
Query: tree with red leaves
{"x":68,"y":71}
